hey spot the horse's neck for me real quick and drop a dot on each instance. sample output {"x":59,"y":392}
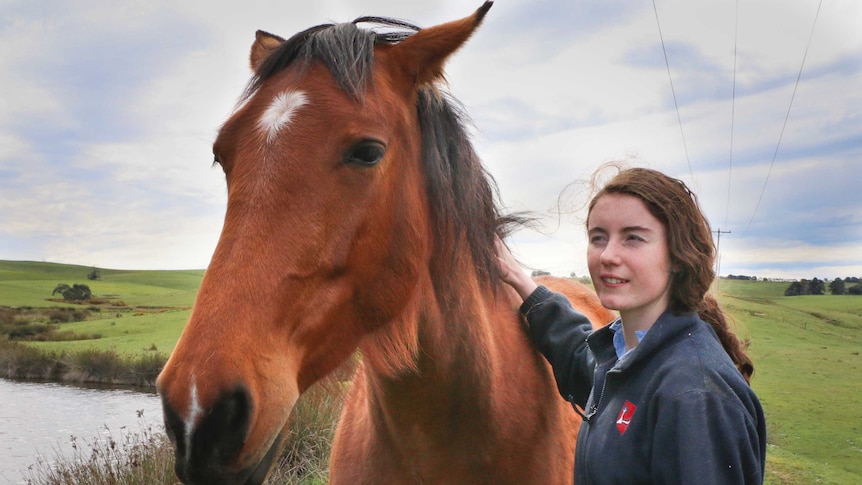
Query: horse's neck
{"x":462,"y":340}
{"x":477,"y":396}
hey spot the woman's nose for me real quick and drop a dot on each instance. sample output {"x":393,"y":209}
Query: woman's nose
{"x":610,"y":255}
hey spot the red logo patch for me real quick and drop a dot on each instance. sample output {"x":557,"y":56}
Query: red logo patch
{"x":625,"y":416}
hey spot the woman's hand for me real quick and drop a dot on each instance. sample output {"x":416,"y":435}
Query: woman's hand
{"x":511,"y":272}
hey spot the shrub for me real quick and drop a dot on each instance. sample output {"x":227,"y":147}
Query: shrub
{"x":66,"y":336}
{"x":7,"y":315}
{"x":109,"y":367}
{"x":59,"y":316}
{"x":91,"y":365}
{"x":19,"y":361}
{"x":66,"y":315}
{"x":27,"y":331}
{"x":75,"y":292}
{"x":146,"y":368}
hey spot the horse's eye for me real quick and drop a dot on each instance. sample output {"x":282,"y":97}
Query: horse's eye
{"x":366,"y":153}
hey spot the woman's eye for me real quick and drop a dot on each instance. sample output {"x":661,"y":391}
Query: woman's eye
{"x":366,"y":153}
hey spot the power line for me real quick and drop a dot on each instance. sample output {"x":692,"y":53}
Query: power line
{"x":673,"y":91}
{"x":786,"y":117}
{"x":732,"y":113}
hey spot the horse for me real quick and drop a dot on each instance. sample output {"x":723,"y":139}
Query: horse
{"x":360,"y":219}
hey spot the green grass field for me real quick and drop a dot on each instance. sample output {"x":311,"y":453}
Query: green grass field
{"x":147,"y":312}
{"x":806,"y":351}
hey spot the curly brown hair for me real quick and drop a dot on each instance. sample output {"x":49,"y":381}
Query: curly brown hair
{"x":692,"y":252}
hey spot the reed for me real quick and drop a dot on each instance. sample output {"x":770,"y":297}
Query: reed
{"x":143,"y":457}
{"x":305,"y":456}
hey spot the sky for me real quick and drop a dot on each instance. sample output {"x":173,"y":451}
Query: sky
{"x":109,"y":110}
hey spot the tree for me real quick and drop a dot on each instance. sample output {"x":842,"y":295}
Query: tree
{"x":75,"y":292}
{"x":93,"y":275}
{"x":855,"y":290}
{"x":817,"y":287}
{"x":538,"y":272}
{"x":795,"y":289}
{"x":837,"y":287}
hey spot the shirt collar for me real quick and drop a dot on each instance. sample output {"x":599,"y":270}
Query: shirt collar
{"x":619,"y":339}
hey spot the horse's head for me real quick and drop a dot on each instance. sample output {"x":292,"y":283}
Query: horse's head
{"x":327,"y":236}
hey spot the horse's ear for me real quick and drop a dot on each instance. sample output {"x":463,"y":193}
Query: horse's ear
{"x":264,"y":44}
{"x":424,"y":53}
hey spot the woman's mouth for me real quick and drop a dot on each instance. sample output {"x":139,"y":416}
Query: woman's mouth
{"x":613,"y":280}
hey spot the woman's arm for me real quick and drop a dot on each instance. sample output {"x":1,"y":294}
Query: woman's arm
{"x":512,"y":273}
{"x":557,"y":330}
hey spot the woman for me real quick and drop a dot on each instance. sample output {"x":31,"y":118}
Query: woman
{"x":664,"y":388}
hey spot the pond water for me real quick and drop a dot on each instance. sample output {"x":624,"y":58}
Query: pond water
{"x":40,"y":419}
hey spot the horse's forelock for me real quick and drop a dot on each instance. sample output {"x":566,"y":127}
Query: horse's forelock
{"x":346,"y":49}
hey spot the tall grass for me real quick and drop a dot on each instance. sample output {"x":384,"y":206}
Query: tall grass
{"x":144,"y":457}
{"x":305,"y":456}
{"x":22,"y":362}
{"x":89,"y":365}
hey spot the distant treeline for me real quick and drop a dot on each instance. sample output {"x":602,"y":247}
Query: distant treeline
{"x":851,"y":285}
{"x":817,"y":286}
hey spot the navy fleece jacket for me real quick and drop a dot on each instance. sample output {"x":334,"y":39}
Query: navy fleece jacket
{"x":675,"y":410}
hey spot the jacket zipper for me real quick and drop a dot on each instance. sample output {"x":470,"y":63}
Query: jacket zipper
{"x":595,"y":407}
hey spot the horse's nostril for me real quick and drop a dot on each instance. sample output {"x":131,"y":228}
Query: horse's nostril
{"x":219,"y":436}
{"x":221,"y":433}
{"x":206,"y":451}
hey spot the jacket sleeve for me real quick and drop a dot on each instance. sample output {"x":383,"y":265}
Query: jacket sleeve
{"x":705,"y":438}
{"x":559,"y":332}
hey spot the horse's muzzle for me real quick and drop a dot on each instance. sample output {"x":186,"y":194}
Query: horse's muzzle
{"x":208,"y":452}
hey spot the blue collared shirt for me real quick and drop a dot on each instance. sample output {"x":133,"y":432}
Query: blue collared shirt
{"x":620,"y":340}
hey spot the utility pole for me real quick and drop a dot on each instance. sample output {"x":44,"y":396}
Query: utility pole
{"x":719,"y":232}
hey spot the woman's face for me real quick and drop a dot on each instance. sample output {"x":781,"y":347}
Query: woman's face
{"x":628,"y":259}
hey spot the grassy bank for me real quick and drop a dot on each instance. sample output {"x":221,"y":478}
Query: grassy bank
{"x":89,"y":365}
{"x":123,"y":335}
